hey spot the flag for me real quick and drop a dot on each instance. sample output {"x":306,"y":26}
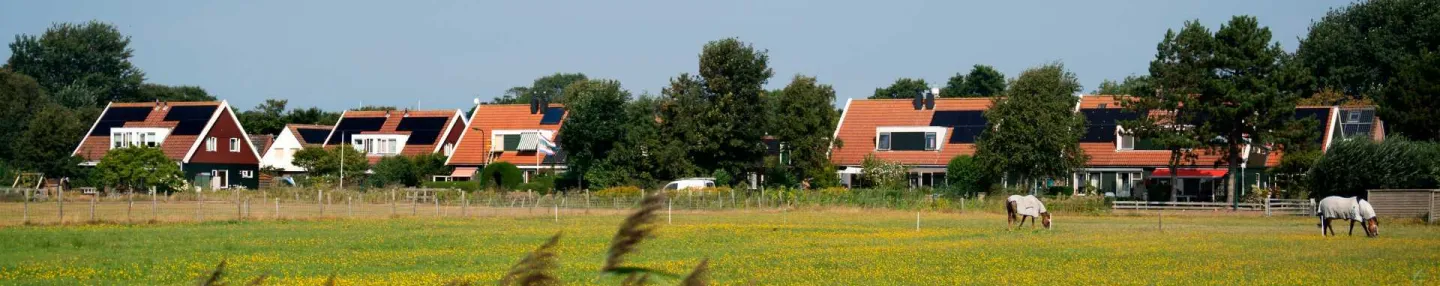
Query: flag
{"x":545,"y":146}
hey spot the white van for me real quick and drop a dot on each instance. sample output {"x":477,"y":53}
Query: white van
{"x":690,"y":183}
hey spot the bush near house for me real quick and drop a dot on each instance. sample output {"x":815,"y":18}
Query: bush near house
{"x":1351,"y":167}
{"x":501,"y":175}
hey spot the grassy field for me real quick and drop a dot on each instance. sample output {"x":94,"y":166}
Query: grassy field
{"x":829,"y":247}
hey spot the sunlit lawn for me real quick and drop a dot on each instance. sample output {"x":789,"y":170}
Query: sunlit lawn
{"x":803,"y":247}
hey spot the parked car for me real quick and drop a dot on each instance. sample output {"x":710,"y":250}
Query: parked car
{"x":690,"y":183}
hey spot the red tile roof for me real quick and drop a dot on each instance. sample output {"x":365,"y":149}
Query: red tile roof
{"x":175,"y":147}
{"x":862,"y":116}
{"x":474,"y":145}
{"x":393,"y":121}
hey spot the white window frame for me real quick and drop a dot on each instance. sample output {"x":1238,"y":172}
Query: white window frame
{"x":931,"y":141}
{"x":1352,"y":116}
{"x":882,"y":141}
{"x":210,"y":144}
{"x":247,"y":174}
{"x":234,"y":145}
{"x":379,"y":144}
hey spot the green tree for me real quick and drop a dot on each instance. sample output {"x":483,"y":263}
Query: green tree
{"x":93,"y":54}
{"x":1033,"y":132}
{"x":151,"y":92}
{"x":377,"y":108}
{"x":593,"y":127}
{"x":312,"y":115}
{"x":1176,"y":74}
{"x":1240,"y":92}
{"x":1358,"y":49}
{"x":428,"y":165}
{"x":501,"y":175}
{"x":138,"y":168}
{"x":804,"y":122}
{"x":47,"y":142}
{"x":641,"y":157}
{"x":266,"y":118}
{"x":954,"y":86}
{"x":719,"y":115}
{"x":904,"y":88}
{"x":550,"y":87}
{"x":966,"y":177}
{"x":395,"y":170}
{"x":1408,"y":102}
{"x":23,"y":98}
{"x":320,"y":161}
{"x":983,"y":81}
{"x":1126,"y":87}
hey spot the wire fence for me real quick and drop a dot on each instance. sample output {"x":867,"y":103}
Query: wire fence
{"x":31,"y":206}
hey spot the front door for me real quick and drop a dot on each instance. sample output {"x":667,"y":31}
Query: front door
{"x":219,"y":179}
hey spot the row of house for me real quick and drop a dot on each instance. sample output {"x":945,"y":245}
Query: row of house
{"x":924,"y":136}
{"x":213,"y":150}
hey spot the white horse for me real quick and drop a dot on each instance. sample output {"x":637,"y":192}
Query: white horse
{"x":1026,"y":206}
{"x":1351,"y":209}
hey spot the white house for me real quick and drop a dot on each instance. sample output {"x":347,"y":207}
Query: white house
{"x":294,"y":137}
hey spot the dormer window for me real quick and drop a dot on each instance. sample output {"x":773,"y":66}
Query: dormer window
{"x":925,"y":138}
{"x":137,"y":136}
{"x":379,"y":144}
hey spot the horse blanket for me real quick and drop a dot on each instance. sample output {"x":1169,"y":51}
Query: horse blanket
{"x":1027,"y":205}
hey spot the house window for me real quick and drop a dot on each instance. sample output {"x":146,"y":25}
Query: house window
{"x":929,"y":141}
{"x":235,"y":145}
{"x":883,"y":143}
{"x":153,"y":141}
{"x":116,"y":141}
{"x":210,"y":144}
{"x":247,"y":174}
{"x":1352,"y":117}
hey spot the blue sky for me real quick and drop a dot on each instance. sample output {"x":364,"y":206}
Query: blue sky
{"x":441,"y":54}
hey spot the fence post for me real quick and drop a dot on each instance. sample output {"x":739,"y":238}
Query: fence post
{"x":320,"y":200}
{"x":435,"y":197}
{"x":277,"y":207}
{"x":557,"y":209}
{"x":393,"y":209}
{"x":199,"y":206}
{"x":154,"y":204}
{"x":464,"y":204}
{"x":26,"y":220}
{"x":60,"y":203}
{"x":239,"y":212}
{"x":1267,"y":206}
{"x":669,"y":208}
{"x":130,"y":208}
{"x":349,"y":209}
{"x":587,"y":201}
{"x":414,"y":207}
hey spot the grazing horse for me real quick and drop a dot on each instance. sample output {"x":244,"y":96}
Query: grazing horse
{"x":1026,"y":206}
{"x":1351,"y":209}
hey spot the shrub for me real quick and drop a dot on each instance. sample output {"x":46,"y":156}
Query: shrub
{"x":394,"y":170}
{"x":502,"y":175}
{"x":619,"y":192}
{"x":965,"y":177}
{"x":1059,"y":191}
{"x":722,"y":177}
{"x":1159,"y":192}
{"x":835,"y":191}
{"x":1351,"y":167}
{"x":883,"y":173}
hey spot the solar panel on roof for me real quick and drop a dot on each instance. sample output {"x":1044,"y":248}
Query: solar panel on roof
{"x":350,"y":126}
{"x":313,"y":135}
{"x":117,"y":116}
{"x":190,"y":120}
{"x":423,"y":130}
{"x":1101,"y":124}
{"x":552,"y":116}
{"x":966,"y":125}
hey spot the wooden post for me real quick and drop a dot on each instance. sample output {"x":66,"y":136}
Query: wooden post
{"x":239,"y":212}
{"x":26,"y":220}
{"x":435,"y":196}
{"x":349,"y":209}
{"x":130,"y":208}
{"x":154,"y":204}
{"x":414,"y":207}
{"x":277,"y":207}
{"x":669,"y":209}
{"x":464,"y":205}
{"x":60,"y":203}
{"x":587,"y":201}
{"x":557,"y":209}
{"x":320,"y":200}
{"x":1267,"y":206}
{"x":199,"y":207}
{"x":393,"y":209}
{"x":917,"y":221}
{"x":93,"y":198}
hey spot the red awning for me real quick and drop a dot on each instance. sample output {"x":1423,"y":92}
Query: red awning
{"x":1189,"y":173}
{"x":463,"y":172}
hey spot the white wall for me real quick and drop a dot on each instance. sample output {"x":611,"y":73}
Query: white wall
{"x":282,"y":153}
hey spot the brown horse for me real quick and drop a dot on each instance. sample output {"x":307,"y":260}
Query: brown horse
{"x":1025,"y":207}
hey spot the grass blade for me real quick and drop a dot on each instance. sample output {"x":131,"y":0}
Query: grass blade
{"x":537,"y":268}
{"x":699,"y":277}
{"x":636,"y":228}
